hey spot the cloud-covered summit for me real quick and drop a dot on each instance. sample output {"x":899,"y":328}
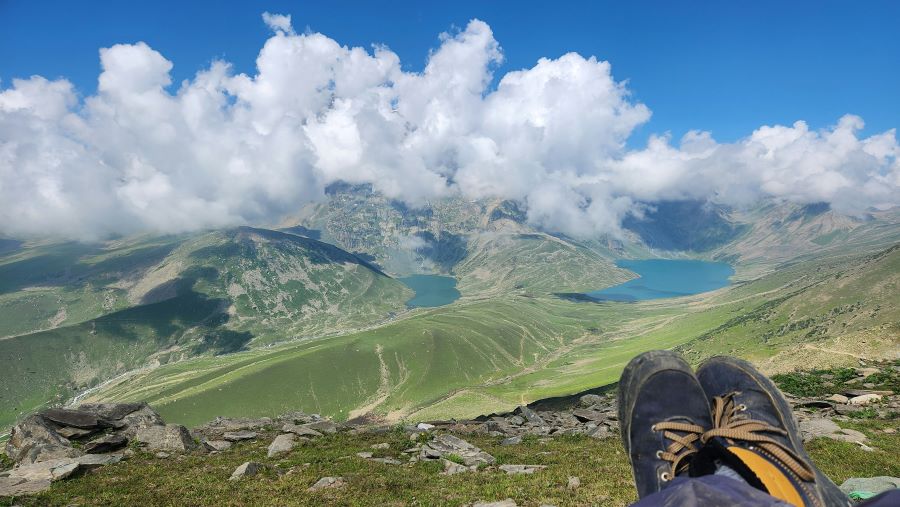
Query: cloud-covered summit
{"x":224,"y":148}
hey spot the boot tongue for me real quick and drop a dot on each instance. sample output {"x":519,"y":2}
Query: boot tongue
{"x":755,"y":468}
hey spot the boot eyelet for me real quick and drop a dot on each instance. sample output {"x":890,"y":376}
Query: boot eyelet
{"x":653,"y":428}
{"x":742,"y":407}
{"x":658,"y":454}
{"x":665,"y":476}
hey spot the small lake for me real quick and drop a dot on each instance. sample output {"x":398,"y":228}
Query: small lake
{"x":666,"y":278}
{"x":431,"y":290}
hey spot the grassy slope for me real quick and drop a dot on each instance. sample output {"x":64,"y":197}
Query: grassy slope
{"x":479,"y":356}
{"x":600,"y":465}
{"x":172,"y":298}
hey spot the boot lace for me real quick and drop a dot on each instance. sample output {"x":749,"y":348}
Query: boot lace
{"x":683,"y":437}
{"x":731,"y":424}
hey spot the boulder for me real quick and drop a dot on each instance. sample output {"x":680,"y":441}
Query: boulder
{"x":530,"y":415}
{"x":104,"y":444}
{"x":247,"y":469}
{"x":327,"y":483}
{"x":512,"y":440}
{"x":300,"y":430}
{"x":521,"y":469}
{"x":237,"y":436}
{"x":444,"y":445}
{"x":817,"y":427}
{"x":838,"y":398}
{"x":865,"y":399}
{"x":501,"y":503}
{"x":75,"y":418}
{"x":589,"y":400}
{"x":171,"y":437}
{"x":217,"y":445}
{"x":282,"y":444}
{"x":324,"y":426}
{"x":588,"y":415}
{"x":10,"y":487}
{"x":451,"y":468}
{"x":34,"y":439}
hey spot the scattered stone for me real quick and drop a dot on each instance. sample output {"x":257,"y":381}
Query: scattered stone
{"x":865,"y":399}
{"x":383,"y":445}
{"x":588,"y":415}
{"x":283,"y":443}
{"x":444,"y":445}
{"x":838,"y":398}
{"x":530,"y":415}
{"x":521,"y":469}
{"x":324,"y":426}
{"x":300,"y":430}
{"x":364,"y":455}
{"x":387,"y":461}
{"x":862,"y":392}
{"x":573,"y":484}
{"x":217,"y":445}
{"x":451,"y":468}
{"x":238,"y":436}
{"x":817,"y":427}
{"x":589,"y":400}
{"x":162,"y":455}
{"x":75,"y":418}
{"x":247,"y":469}
{"x":502,"y":503}
{"x":516,"y":440}
{"x":424,"y":426}
{"x":327,"y":483}
{"x":33,"y":439}
{"x":171,"y":437}
{"x":16,"y":487}
{"x":108,"y":443}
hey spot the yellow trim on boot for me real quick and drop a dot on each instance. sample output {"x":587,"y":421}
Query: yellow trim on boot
{"x":772,"y":478}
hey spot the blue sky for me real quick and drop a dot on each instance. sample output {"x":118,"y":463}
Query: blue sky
{"x":727,"y":67}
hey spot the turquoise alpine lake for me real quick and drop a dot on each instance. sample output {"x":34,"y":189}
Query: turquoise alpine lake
{"x":431,"y":290}
{"x":665,"y":278}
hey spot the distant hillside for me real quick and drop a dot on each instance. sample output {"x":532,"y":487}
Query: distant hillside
{"x":77,"y":314}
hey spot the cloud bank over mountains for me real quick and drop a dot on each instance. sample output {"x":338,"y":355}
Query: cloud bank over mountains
{"x":224,"y":148}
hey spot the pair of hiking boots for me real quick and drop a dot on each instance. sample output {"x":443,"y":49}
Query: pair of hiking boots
{"x":726,"y":419}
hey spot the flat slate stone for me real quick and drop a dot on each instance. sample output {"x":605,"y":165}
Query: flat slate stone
{"x":75,"y":418}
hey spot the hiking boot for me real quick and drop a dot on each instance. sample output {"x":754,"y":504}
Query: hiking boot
{"x":662,"y":412}
{"x":754,"y":433}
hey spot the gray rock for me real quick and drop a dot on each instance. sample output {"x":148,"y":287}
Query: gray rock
{"x":512,"y":440}
{"x":521,"y":469}
{"x":327,"y":483}
{"x":74,"y":433}
{"x":300,"y":430}
{"x":838,"y":398}
{"x":387,"y":461}
{"x":247,"y":469}
{"x":171,"y":437}
{"x":364,"y":455}
{"x":383,"y":445}
{"x":444,"y":445}
{"x":589,"y":400}
{"x":237,"y":436}
{"x":74,"y":418}
{"x":451,"y":468}
{"x":324,"y":426}
{"x":33,"y":439}
{"x":530,"y":415}
{"x":112,"y":411}
{"x":108,"y":443}
{"x":573,"y":483}
{"x":817,"y":427}
{"x":217,"y":445}
{"x":865,"y":399}
{"x":282,"y":444}
{"x":10,"y":487}
{"x":502,"y":503}
{"x":588,"y":415}
{"x":873,"y":485}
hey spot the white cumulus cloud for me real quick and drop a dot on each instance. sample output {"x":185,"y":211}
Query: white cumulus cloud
{"x":225,"y":148}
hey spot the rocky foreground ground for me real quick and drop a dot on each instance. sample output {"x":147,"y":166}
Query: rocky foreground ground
{"x":53,"y":450}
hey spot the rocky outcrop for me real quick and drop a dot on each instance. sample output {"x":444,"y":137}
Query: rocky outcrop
{"x":57,"y":443}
